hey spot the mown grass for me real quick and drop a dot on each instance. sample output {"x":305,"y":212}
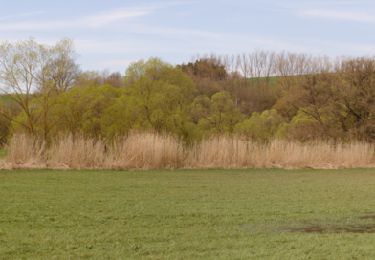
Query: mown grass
{"x":211,"y":214}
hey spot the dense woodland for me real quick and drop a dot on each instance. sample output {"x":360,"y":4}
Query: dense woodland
{"x":259,"y":96}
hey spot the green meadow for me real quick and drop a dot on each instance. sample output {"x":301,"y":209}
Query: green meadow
{"x":185,"y":214}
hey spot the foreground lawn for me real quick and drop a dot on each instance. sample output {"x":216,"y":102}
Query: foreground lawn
{"x":188,"y":214}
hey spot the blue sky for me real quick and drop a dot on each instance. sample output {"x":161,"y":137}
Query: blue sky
{"x":109,"y":34}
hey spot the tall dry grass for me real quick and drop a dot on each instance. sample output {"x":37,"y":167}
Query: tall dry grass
{"x":24,"y":150}
{"x":146,"y":150}
{"x":155,"y":151}
{"x":232,"y":152}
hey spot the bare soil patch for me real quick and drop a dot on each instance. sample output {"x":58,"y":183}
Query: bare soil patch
{"x":354,"y":228}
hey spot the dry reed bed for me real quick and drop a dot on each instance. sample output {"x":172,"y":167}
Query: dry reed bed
{"x":154,"y":151}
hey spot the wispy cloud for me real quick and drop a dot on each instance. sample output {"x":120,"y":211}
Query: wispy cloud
{"x":21,"y":15}
{"x":109,"y":17}
{"x":88,"y":21}
{"x":344,"y":15}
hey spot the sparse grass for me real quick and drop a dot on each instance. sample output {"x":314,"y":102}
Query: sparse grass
{"x":186,"y":214}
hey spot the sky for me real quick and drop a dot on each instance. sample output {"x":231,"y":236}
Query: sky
{"x":110,"y":34}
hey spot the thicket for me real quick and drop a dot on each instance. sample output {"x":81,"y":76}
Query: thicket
{"x":259,"y":96}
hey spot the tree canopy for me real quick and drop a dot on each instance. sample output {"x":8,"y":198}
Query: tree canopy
{"x":260,"y":96}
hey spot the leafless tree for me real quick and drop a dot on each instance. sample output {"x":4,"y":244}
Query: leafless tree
{"x":29,"y":69}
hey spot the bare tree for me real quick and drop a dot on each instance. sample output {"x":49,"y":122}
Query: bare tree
{"x":258,"y":64}
{"x":61,"y":69}
{"x":29,"y":69}
{"x":20,"y":69}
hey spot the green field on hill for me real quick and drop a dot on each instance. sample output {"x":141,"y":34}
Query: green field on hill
{"x":185,"y":214}
{"x":3,"y":153}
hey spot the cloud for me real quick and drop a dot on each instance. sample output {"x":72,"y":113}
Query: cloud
{"x":113,"y":16}
{"x":352,"y":16}
{"x":91,"y":21}
{"x":21,"y":15}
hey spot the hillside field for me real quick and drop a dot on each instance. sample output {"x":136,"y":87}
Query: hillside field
{"x":185,"y":214}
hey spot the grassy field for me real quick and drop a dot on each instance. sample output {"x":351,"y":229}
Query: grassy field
{"x":211,"y":214}
{"x":3,"y":153}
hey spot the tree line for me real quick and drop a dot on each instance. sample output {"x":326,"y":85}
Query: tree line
{"x":259,"y":96}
